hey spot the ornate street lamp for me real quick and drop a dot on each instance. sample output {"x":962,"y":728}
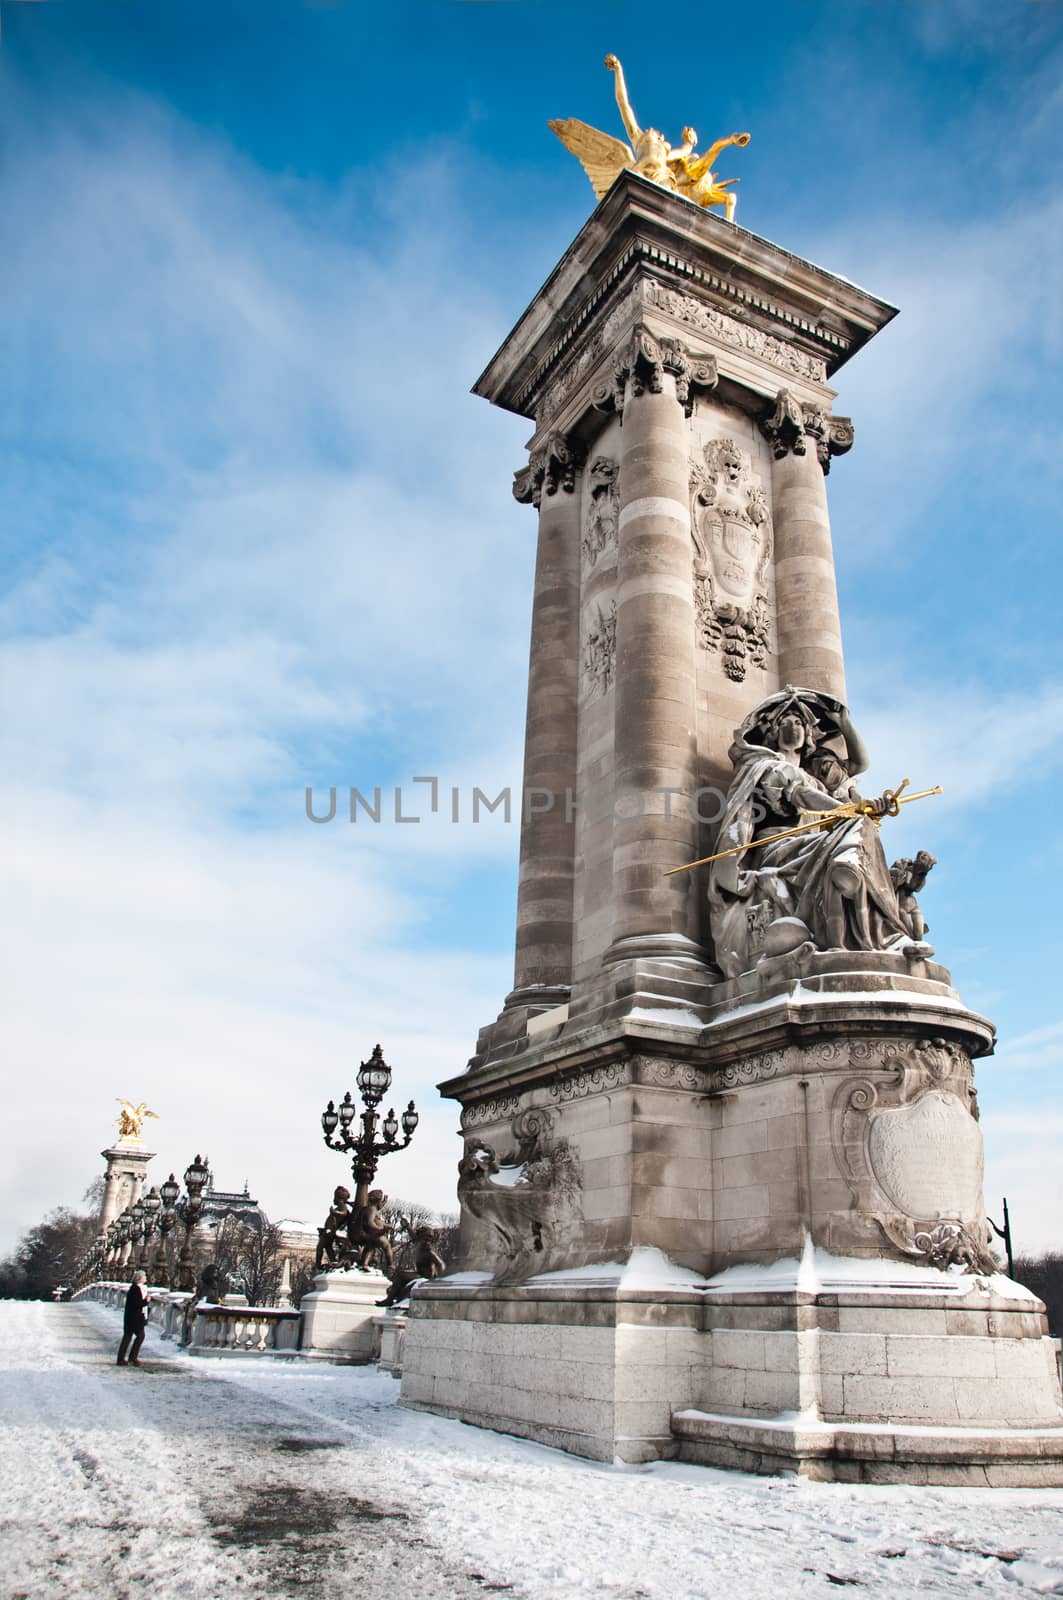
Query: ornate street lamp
{"x":152,"y":1205}
{"x":125,"y":1238}
{"x":374,"y":1080}
{"x":168,"y":1193}
{"x":188,"y":1208}
{"x":136,"y":1254}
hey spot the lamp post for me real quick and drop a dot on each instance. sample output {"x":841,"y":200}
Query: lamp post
{"x":374,"y":1080}
{"x":168,"y":1193}
{"x":136,"y":1236}
{"x":152,"y":1205}
{"x":188,"y":1208}
{"x":1005,"y":1234}
{"x":125,"y":1235}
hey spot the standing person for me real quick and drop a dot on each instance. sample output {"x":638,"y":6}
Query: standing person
{"x":135,"y":1321}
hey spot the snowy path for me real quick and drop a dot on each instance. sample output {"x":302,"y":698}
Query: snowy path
{"x":195,"y":1478}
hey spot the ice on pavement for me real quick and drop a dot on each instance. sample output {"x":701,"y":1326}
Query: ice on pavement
{"x":199,"y":1479}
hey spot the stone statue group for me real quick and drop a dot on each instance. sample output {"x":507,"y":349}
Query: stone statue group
{"x":797,"y":757}
{"x":357,"y":1236}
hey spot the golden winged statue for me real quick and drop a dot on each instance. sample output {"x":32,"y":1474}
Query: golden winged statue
{"x":131,"y":1118}
{"x":678,"y":167}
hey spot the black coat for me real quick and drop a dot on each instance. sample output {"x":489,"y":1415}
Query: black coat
{"x":136,"y":1312}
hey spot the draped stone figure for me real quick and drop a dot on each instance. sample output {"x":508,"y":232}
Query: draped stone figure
{"x":798,"y":752}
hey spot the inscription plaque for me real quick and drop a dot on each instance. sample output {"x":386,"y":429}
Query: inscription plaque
{"x":927,"y":1157}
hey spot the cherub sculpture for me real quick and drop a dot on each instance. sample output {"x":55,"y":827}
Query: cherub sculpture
{"x":328,"y":1246}
{"x":368,"y":1232}
{"x":131,"y":1118}
{"x":909,"y":875}
{"x":678,"y":167}
{"x":426,"y":1263}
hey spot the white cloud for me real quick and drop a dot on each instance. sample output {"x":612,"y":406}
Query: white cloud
{"x":234,"y":981}
{"x":270,"y":542}
{"x":976,"y":742}
{"x":948,"y":400}
{"x":1039,"y":1049}
{"x":264,"y":548}
{"x":1022,"y":1166}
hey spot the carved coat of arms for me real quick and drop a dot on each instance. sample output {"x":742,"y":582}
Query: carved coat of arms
{"x":731,"y":527}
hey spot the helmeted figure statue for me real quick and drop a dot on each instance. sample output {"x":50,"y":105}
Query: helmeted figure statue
{"x":796,"y":755}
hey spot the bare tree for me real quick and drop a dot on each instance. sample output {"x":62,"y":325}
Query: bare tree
{"x":447,"y":1225}
{"x":1044,"y":1275}
{"x":248,"y":1255}
{"x":303,"y":1274}
{"x":47,"y":1255}
{"x":406,"y":1217}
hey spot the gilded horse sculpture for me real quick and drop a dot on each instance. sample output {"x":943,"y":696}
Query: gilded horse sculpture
{"x":649,"y":154}
{"x":131,"y":1118}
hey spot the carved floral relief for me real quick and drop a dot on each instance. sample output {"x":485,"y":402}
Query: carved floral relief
{"x":741,"y":336}
{"x":551,"y":467}
{"x":731,"y":528}
{"x":791,"y":424}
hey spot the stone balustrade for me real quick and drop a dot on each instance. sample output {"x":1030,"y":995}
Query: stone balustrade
{"x":167,"y":1313}
{"x":245,"y":1331}
{"x":112,"y":1292}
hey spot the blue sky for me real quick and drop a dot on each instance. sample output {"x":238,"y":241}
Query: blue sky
{"x":257,"y":534}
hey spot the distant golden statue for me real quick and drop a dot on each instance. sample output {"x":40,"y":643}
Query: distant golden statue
{"x":131,"y":1118}
{"x":680,"y":169}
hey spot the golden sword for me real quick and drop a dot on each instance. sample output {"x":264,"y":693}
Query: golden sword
{"x":889,"y":807}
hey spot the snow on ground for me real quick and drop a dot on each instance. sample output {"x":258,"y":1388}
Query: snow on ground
{"x":198,"y":1478}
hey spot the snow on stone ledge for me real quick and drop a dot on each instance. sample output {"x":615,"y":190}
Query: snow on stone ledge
{"x":646,"y":1268}
{"x":818,"y":1271}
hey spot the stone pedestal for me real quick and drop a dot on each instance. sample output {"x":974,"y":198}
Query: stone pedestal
{"x":125,"y":1177}
{"x":338,"y":1317}
{"x":391,"y":1338}
{"x":641,"y":1131}
{"x":863,"y":1371}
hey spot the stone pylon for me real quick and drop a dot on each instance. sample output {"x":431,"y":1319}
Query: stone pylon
{"x":124,"y":1179}
{"x":702,"y":1194}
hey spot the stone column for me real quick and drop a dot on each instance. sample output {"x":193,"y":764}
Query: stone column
{"x":655,"y":731}
{"x":803,"y":439}
{"x":111,"y":1184}
{"x":547,"y":836}
{"x":124,"y":1180}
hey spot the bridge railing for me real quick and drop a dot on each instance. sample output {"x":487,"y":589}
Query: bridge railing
{"x":245,"y":1330}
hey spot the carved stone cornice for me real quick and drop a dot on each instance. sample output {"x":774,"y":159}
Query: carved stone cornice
{"x":551,"y":467}
{"x":641,"y":365}
{"x":792,"y":424}
{"x":499,"y":1109}
{"x":742,"y":336}
{"x":591,"y":1080}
